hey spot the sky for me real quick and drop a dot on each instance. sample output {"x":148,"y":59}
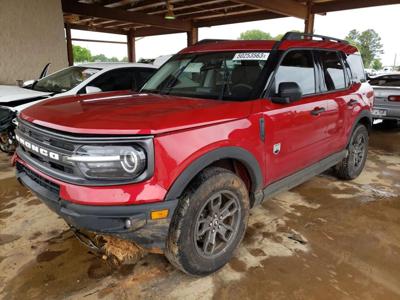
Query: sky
{"x":383,"y":19}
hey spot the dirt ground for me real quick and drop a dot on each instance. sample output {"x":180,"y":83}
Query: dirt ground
{"x":326,"y":239}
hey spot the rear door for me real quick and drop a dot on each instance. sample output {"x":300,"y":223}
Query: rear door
{"x":340,"y":99}
{"x":296,"y":133}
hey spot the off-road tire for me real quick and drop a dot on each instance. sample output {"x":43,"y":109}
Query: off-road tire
{"x":181,"y":246}
{"x":346,"y":169}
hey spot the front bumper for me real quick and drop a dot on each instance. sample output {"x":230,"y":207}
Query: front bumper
{"x":111,"y":220}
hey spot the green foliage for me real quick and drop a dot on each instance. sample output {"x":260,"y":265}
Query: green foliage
{"x":368,"y":43}
{"x":99,"y":58}
{"x":81,"y":54}
{"x":255,"y":34}
{"x":377,"y":64}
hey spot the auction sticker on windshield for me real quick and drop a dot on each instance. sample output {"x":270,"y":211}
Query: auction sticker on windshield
{"x":251,"y":56}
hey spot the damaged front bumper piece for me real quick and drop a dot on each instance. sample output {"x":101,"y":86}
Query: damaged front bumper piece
{"x":138,"y":223}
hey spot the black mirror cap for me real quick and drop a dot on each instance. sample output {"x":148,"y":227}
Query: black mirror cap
{"x":288,"y":92}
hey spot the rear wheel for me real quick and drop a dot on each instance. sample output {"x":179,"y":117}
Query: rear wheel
{"x":209,"y":222}
{"x":352,"y":165}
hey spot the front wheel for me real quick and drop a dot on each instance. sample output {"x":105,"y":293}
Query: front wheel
{"x":352,"y":165}
{"x":209,"y":222}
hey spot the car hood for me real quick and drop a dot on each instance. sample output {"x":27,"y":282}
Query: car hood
{"x":119,"y":113}
{"x":9,"y":93}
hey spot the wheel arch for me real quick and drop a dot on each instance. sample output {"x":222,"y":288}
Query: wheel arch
{"x":364,"y":118}
{"x":238,"y":154}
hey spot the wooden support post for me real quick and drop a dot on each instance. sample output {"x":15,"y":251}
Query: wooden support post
{"x":309,"y":21}
{"x":131,"y":46}
{"x":192,"y":36}
{"x":70,"y":51}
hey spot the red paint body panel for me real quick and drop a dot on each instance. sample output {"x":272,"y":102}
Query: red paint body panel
{"x":130,"y":113}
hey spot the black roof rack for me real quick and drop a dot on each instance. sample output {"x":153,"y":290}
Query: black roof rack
{"x":207,"y":41}
{"x":301,"y":36}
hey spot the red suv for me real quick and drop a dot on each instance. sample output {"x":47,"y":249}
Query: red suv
{"x":222,"y":126}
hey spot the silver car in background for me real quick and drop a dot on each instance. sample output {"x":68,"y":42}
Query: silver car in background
{"x":387,"y":97}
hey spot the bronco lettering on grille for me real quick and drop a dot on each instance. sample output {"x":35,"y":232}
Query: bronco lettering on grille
{"x":39,"y":150}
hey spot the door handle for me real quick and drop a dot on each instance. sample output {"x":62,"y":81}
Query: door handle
{"x":317,"y":111}
{"x":352,"y":102}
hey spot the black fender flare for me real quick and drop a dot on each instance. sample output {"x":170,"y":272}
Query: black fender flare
{"x":238,"y":153}
{"x":363,"y":114}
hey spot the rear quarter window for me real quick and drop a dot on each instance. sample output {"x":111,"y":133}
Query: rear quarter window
{"x":357,"y":67}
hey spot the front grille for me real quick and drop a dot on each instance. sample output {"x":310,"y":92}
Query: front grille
{"x":50,"y":141}
{"x":58,"y":146}
{"x":48,"y":185}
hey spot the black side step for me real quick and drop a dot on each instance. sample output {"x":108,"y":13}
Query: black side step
{"x":302,"y":176}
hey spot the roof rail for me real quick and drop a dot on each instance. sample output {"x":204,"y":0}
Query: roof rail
{"x":292,"y":35}
{"x":207,"y":41}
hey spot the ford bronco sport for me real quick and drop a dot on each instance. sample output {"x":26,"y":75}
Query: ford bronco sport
{"x":222,"y":126}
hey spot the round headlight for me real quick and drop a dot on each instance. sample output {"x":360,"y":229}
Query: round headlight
{"x":129,"y":161}
{"x":133,"y":160}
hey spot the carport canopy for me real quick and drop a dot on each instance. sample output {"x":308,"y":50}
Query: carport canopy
{"x":141,"y":18}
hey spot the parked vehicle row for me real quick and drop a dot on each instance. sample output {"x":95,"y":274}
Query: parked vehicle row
{"x":219,"y":128}
{"x":76,"y":80}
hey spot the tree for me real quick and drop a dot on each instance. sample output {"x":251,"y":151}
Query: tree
{"x":99,"y":58}
{"x":81,"y":54}
{"x":368,"y":43}
{"x":377,"y":64}
{"x":255,"y":34}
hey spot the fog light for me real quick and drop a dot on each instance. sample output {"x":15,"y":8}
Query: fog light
{"x":128,"y":223}
{"x":159,"y":214}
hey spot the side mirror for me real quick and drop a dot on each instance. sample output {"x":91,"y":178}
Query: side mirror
{"x":288,"y":92}
{"x":92,"y":89}
{"x":28,"y":84}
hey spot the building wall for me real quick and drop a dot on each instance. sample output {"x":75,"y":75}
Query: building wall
{"x":31,"y":35}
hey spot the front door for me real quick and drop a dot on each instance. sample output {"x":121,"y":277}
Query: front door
{"x":296,"y":134}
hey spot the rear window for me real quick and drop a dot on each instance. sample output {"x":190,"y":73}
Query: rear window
{"x":388,"y":80}
{"x":357,"y":67}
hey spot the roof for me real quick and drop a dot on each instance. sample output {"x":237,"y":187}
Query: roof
{"x":146,"y":17}
{"x":115,"y":65}
{"x":238,"y":45}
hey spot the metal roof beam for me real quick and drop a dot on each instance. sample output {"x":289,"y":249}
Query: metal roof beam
{"x":98,"y":11}
{"x":288,"y":8}
{"x":325,"y":7}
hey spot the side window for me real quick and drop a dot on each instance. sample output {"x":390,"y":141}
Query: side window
{"x":114,"y":80}
{"x":297,"y":66}
{"x":142,"y":75}
{"x":357,"y":67}
{"x":333,"y":75}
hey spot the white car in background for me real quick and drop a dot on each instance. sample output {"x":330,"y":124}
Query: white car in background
{"x":81,"y":79}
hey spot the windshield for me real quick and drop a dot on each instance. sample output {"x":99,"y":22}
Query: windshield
{"x":64,"y":80}
{"x":222,"y":75}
